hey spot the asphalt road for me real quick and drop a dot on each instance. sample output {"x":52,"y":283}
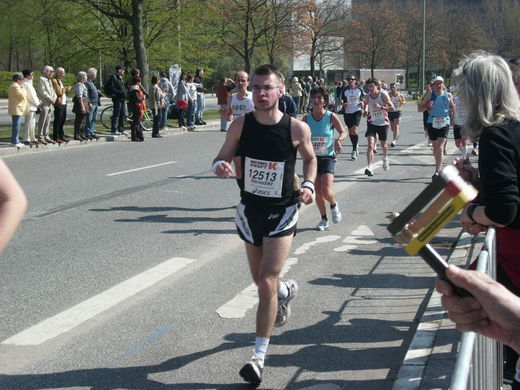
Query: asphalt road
{"x":127,"y":273}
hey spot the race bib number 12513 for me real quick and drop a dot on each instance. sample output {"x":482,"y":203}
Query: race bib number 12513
{"x":263,"y":178}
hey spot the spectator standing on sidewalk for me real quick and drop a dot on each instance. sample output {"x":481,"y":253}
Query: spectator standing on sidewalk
{"x":296,"y":93}
{"x":115,"y":88}
{"x":33,"y":102}
{"x":137,"y":105}
{"x":223,"y":92}
{"x":201,"y":100}
{"x":60,"y":106}
{"x":95,"y":101}
{"x":157,"y":105}
{"x":167,"y":87}
{"x":493,"y":117}
{"x":182,"y":101}
{"x":81,"y":107}
{"x":17,"y":100}
{"x":47,"y":96}
{"x":192,"y":102}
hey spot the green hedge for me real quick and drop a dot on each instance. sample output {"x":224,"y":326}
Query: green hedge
{"x":6,"y":79}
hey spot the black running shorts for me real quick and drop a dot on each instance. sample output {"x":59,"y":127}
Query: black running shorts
{"x":457,"y":132}
{"x":437,"y":133}
{"x":352,"y":120}
{"x":392,"y":115}
{"x":381,"y":131}
{"x":253,"y":223}
{"x":326,"y":164}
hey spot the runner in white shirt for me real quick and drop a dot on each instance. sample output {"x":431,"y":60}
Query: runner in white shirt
{"x":241,"y":102}
{"x":353,"y":103}
{"x":377,"y":105}
{"x":459,"y":120}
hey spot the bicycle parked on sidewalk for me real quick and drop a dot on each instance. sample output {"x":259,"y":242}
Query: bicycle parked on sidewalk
{"x":106,"y":118}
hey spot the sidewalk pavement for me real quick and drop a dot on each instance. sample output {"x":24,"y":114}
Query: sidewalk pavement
{"x":105,"y":136}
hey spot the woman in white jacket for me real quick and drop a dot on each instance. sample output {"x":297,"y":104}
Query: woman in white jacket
{"x":33,"y":102}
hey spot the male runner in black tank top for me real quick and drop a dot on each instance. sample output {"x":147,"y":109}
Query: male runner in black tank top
{"x":267,"y":214}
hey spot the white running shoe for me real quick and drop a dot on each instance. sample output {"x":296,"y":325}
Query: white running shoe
{"x":393,"y":143}
{"x":323,"y":225}
{"x":336,"y":214}
{"x":369,"y":172}
{"x":19,"y":145}
{"x":386,"y":164}
{"x":284,"y":310}
{"x":252,"y":371}
{"x":354,"y":155}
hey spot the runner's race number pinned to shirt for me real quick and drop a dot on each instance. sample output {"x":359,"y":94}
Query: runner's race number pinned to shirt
{"x":319,"y":144}
{"x":439,"y":122}
{"x":263,"y":178}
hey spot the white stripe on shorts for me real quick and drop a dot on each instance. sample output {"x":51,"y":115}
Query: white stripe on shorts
{"x":288,"y":220}
{"x":242,"y":223}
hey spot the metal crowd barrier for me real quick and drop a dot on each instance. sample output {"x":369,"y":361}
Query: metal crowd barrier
{"x":479,"y":363}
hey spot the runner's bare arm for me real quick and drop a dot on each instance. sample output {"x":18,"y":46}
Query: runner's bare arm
{"x":13,"y":204}
{"x":223,"y":169}
{"x":389,"y":106}
{"x":336,"y":123}
{"x":452,"y":109}
{"x":301,"y":136}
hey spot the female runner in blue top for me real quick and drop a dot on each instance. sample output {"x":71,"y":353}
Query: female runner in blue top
{"x":322,"y":124}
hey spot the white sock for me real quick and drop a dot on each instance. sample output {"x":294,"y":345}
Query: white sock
{"x":260,"y":349}
{"x":283,"y":291}
{"x":463,"y":151}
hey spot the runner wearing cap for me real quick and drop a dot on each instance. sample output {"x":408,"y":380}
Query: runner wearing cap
{"x":440,"y":107}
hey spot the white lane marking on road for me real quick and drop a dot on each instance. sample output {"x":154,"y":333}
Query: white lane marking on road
{"x":70,"y":318}
{"x":140,"y":169}
{"x":305,"y":247}
{"x":362,"y":235}
{"x":362,"y":230}
{"x":248,"y":297}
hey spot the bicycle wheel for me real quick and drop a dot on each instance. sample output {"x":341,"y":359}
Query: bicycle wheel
{"x":106,"y":116}
{"x":147,"y":121}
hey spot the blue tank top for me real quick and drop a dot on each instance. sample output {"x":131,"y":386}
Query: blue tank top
{"x":322,"y":134}
{"x":441,"y":108}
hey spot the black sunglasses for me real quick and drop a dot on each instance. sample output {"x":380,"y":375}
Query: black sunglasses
{"x":351,"y":79}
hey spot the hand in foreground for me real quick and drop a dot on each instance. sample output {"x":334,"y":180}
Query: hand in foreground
{"x":306,"y":195}
{"x":466,"y":170}
{"x":470,"y":226}
{"x":493,"y":311}
{"x":224,"y":170}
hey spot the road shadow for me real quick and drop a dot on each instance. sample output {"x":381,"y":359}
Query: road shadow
{"x":317,"y":355}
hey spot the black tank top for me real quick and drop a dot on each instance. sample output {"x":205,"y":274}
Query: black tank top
{"x":268,"y":159}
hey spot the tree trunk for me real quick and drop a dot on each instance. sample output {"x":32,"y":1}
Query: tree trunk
{"x":138,"y":35}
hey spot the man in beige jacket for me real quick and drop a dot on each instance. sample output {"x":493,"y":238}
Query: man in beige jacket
{"x":17,"y":99}
{"x":47,"y":95}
